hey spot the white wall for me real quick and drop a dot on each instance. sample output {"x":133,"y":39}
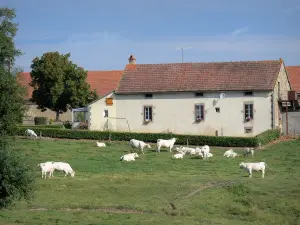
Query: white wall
{"x":96,"y":119}
{"x":174,"y":112}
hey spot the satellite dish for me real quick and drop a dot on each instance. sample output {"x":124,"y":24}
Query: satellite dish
{"x":222,"y":95}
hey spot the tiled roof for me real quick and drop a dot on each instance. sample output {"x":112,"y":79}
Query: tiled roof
{"x":103,"y":81}
{"x":212,"y":76}
{"x":294,"y":77}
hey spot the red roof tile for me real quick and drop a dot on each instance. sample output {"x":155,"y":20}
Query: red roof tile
{"x":213,"y":76}
{"x":103,"y":81}
{"x":294,"y":77}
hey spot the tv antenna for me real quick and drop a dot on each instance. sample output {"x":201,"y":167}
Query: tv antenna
{"x":182,"y":51}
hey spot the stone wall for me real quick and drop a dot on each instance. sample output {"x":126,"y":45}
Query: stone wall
{"x":33,"y":111}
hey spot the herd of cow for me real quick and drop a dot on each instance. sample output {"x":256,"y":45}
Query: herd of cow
{"x":203,"y":152}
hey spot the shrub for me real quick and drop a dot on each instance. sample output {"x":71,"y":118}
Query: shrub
{"x":68,"y":125}
{"x":17,"y":178}
{"x":40,"y":120}
{"x":147,"y":137}
{"x":53,"y":126}
{"x":83,"y":126}
{"x":268,"y":136}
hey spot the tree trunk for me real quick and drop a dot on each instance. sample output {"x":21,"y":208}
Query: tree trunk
{"x":57,"y":115}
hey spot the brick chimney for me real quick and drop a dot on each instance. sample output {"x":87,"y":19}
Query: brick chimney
{"x":131,"y":59}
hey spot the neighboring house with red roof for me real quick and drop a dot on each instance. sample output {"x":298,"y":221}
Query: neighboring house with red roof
{"x":294,"y":76}
{"x":102,"y":81}
{"x":215,"y":98}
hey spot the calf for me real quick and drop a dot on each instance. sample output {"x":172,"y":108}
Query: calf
{"x":254,"y":166}
{"x":47,"y":167}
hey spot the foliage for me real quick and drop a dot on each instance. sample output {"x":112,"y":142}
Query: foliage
{"x":12,"y":108}
{"x":268,"y":136}
{"x":8,"y":30}
{"x":147,"y":137}
{"x":52,"y":126}
{"x":16,"y":178}
{"x":67,"y":124}
{"x":40,"y":120}
{"x":79,"y":116}
{"x":59,"y":84}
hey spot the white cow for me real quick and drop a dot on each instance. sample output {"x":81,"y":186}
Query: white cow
{"x":178,"y":156}
{"x":187,"y":150}
{"x":254,"y":166}
{"x":228,"y":153}
{"x":129,"y":157}
{"x":63,"y":166}
{"x":47,"y":167}
{"x":209,"y":155}
{"x":205,"y":150}
{"x":165,"y":143}
{"x":30,"y":133}
{"x":139,"y":145}
{"x":231,"y":153}
{"x":100,"y":144}
{"x":249,"y":151}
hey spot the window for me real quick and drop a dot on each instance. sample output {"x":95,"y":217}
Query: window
{"x":148,"y":95}
{"x":147,"y":113}
{"x":199,"y":112}
{"x":248,"y":93}
{"x":199,"y":94}
{"x":248,"y":130}
{"x":248,"y":111}
{"x":105,"y":113}
{"x":217,"y":109}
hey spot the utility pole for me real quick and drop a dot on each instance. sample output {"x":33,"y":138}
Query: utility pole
{"x":181,"y":48}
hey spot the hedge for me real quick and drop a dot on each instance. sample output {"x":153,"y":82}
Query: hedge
{"x":268,"y":136}
{"x":40,"y":120}
{"x":147,"y":137}
{"x":53,"y":126}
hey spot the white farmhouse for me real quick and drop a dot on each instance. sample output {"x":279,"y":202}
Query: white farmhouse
{"x":215,"y":98}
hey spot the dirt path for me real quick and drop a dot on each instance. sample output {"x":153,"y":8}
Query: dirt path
{"x":106,"y":210}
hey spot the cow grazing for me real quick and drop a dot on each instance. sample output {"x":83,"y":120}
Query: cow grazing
{"x":139,"y":145}
{"x":63,"y":166}
{"x":30,"y":133}
{"x":254,"y":166}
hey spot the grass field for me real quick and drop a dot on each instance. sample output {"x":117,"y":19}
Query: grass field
{"x":156,"y":189}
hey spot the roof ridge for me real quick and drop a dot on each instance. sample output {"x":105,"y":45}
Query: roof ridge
{"x":216,"y":62}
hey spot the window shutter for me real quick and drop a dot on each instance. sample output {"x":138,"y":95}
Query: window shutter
{"x":150,"y":113}
{"x":202,"y":112}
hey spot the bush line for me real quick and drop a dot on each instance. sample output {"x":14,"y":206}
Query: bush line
{"x":197,"y":140}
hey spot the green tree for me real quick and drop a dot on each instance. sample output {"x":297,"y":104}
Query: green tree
{"x":8,"y":30}
{"x":59,"y":84}
{"x":11,"y":95}
{"x":16,"y":178}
